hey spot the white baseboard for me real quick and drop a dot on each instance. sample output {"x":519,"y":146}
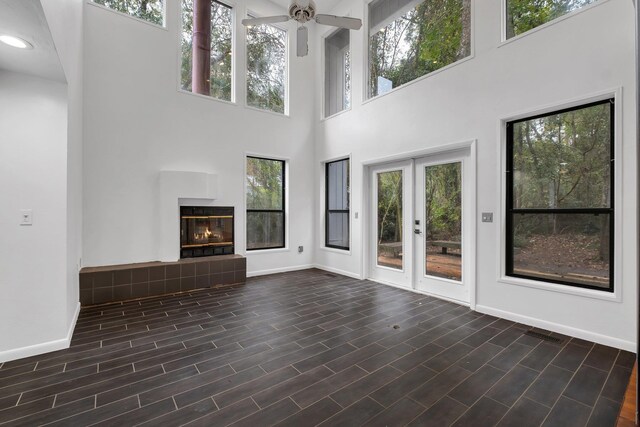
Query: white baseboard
{"x":72,"y":325}
{"x":46,"y":347}
{"x":561,"y":329}
{"x":338,"y":271}
{"x":279,"y":270}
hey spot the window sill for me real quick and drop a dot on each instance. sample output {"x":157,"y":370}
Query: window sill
{"x":339,"y":113}
{"x":135,"y":18}
{"x":506,"y":41}
{"x":564,"y":289}
{"x":265,"y":251}
{"x":210,"y":98}
{"x":284,"y":115}
{"x":336,"y":251}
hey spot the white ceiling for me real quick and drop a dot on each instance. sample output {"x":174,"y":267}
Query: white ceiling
{"x":26,"y":19}
{"x":322,"y":6}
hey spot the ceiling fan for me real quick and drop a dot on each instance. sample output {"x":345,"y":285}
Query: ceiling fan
{"x":304,"y":11}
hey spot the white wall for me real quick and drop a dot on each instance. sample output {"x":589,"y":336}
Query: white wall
{"x":588,"y":52}
{"x":65,"y":23}
{"x":33,"y":165}
{"x":137,"y":124}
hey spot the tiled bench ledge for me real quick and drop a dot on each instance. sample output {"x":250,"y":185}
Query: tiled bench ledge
{"x":99,"y":285}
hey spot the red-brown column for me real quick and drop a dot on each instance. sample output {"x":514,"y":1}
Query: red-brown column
{"x":201,"y":71}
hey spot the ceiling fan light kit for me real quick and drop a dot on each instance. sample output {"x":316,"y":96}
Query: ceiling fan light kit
{"x":303,"y":11}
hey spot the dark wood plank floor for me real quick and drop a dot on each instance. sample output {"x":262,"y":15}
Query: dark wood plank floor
{"x":309,"y":348}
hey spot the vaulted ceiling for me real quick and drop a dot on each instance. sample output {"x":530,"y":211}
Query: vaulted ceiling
{"x":26,"y":19}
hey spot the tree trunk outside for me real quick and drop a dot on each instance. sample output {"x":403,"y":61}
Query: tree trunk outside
{"x":201,"y":70}
{"x":465,"y":40}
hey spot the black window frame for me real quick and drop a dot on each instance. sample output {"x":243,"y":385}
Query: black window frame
{"x":329,"y":211}
{"x":283,"y":210}
{"x":510,"y":212}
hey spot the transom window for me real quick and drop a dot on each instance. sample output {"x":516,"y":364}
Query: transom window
{"x":337,"y":72}
{"x":409,"y":39}
{"x":148,"y":10}
{"x":560,"y":213}
{"x":337,"y":204}
{"x":266,"y":67}
{"x":207,"y":37}
{"x":265,"y":186}
{"x":525,"y":15}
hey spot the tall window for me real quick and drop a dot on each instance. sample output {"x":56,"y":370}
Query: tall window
{"x":149,"y":10}
{"x":266,"y":67}
{"x":560,"y":197}
{"x":207,"y":37}
{"x":408,"y":39}
{"x":524,"y":15}
{"x":265,"y":203}
{"x":337,"y":205}
{"x":337,"y":72}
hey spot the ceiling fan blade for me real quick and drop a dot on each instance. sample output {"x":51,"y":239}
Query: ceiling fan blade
{"x":265,"y":20}
{"x":302,"y":3}
{"x":302,"y":42}
{"x":339,"y":21}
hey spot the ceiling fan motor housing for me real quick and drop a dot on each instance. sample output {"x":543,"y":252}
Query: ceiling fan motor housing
{"x":302,"y":14}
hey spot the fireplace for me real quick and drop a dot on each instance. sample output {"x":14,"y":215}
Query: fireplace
{"x":206,"y":231}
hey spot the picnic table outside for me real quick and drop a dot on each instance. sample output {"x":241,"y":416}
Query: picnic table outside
{"x":445,"y":245}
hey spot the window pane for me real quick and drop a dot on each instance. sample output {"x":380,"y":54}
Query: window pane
{"x":408,"y":41}
{"x":571,"y":248}
{"x":443,"y":213}
{"x":337,"y":74}
{"x":149,"y":10}
{"x":563,"y":160}
{"x":265,"y":230}
{"x":338,"y":185}
{"x":337,"y":200}
{"x":390,"y":219}
{"x":214,"y":75}
{"x":264,"y":184}
{"x":338,"y":229}
{"x":266,"y":67}
{"x":524,"y":15}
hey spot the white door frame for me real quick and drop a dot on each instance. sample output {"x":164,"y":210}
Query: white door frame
{"x":472,"y":227}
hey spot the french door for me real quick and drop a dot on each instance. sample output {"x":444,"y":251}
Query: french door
{"x":391,"y":240}
{"x":422,"y":216}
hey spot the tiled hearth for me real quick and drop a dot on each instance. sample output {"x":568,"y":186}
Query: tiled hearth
{"x":99,"y":285}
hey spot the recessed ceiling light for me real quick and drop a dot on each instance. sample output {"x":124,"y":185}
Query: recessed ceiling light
{"x":15,"y":42}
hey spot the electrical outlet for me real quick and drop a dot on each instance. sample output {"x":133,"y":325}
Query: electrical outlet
{"x":487,"y":216}
{"x":26,"y":217}
{"x":300,"y":249}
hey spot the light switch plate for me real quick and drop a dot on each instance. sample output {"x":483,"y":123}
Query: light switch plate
{"x":487,"y":216}
{"x":26,"y":217}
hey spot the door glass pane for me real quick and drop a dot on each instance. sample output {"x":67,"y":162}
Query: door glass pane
{"x":443,"y":221}
{"x":571,"y":248}
{"x":390,"y":219}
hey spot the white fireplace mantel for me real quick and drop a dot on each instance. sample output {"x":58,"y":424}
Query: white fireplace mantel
{"x":176,"y":188}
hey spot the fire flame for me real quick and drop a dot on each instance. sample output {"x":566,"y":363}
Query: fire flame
{"x":199,"y":236}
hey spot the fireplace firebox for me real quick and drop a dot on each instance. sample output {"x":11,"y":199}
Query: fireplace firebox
{"x":206,"y":231}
